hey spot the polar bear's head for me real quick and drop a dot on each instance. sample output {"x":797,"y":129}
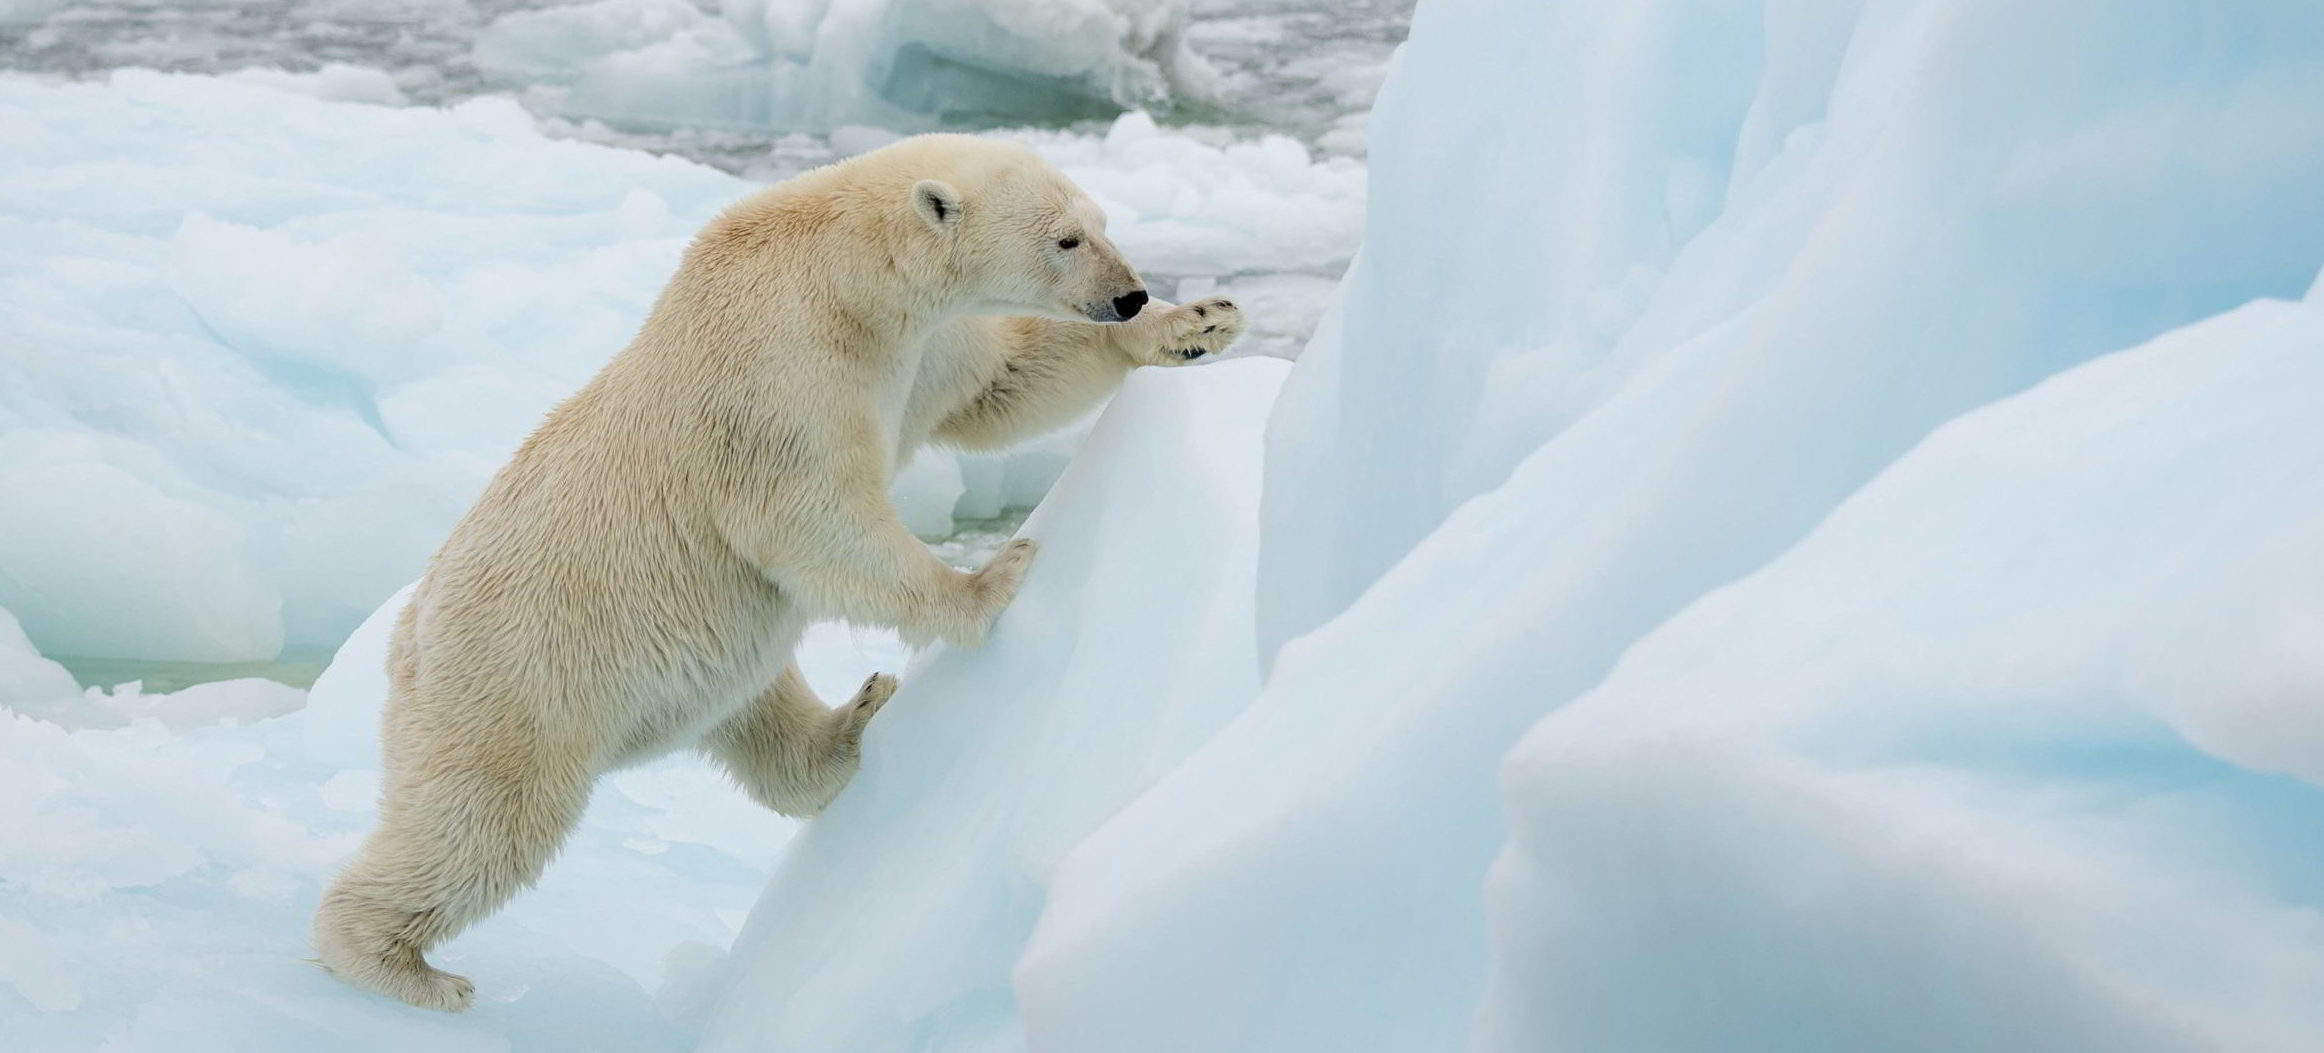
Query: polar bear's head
{"x":1020,"y":238}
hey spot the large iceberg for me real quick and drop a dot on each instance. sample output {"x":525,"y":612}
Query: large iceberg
{"x":1916,"y":784}
{"x":2022,"y":748}
{"x":817,"y":65}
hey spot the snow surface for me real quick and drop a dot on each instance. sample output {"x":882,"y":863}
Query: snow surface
{"x":155,"y":894}
{"x":250,"y":332}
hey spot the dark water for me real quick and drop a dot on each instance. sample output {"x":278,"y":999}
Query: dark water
{"x":297,"y":667}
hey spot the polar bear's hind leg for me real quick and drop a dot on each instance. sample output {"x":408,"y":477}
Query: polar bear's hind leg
{"x":449,"y":851}
{"x":792,"y":753}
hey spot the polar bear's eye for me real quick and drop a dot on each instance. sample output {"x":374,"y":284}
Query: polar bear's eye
{"x":1069,"y":243}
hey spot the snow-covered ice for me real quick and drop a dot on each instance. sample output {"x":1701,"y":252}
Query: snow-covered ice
{"x":251,"y":332}
{"x":1732,"y":263}
{"x":157,"y":880}
{"x":2022,"y":748}
{"x":923,"y":880}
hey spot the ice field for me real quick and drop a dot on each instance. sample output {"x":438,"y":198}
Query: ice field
{"x":1802,"y":536}
{"x":255,"y":353}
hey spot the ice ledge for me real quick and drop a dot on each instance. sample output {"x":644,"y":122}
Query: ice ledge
{"x":1131,"y":643}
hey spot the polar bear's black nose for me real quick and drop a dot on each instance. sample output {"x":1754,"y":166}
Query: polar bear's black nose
{"x":1127,"y":304}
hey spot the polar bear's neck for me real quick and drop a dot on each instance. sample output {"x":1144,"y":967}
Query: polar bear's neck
{"x":797,"y":267}
{"x":782,"y":312}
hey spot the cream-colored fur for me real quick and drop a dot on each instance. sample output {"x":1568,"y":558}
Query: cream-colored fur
{"x":635,"y":579}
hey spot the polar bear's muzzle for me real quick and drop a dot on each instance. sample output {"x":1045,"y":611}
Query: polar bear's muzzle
{"x":1121,"y":309}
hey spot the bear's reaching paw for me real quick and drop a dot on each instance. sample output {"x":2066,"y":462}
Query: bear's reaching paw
{"x":1191,"y":332}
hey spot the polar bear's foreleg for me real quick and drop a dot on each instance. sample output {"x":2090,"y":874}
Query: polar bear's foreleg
{"x":852,"y":559}
{"x":789,"y":751}
{"x":1051,"y":372}
{"x":1044,"y":374}
{"x":458,"y":836}
{"x":1166,"y":335}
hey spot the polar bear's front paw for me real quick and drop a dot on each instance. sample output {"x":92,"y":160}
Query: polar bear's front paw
{"x":1191,"y":332}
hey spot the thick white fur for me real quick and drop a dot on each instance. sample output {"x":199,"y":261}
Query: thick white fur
{"x":635,"y":579}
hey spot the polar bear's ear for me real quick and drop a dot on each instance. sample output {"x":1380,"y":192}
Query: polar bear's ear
{"x":938,"y":204}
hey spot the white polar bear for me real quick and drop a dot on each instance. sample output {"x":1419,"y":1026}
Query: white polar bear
{"x":636,"y":578}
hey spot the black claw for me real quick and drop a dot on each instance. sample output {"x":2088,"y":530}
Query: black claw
{"x":1210,"y":329}
{"x":1198,"y":311}
{"x":1190,"y":353}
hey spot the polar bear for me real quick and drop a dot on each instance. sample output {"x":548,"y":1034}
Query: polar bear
{"x":635,"y":579}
